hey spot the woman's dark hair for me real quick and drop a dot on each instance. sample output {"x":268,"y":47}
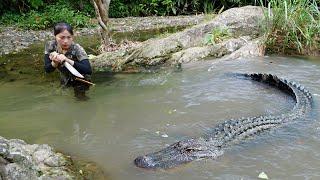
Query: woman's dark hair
{"x":61,"y":26}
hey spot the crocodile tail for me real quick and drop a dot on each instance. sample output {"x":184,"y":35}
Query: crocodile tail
{"x":298,"y":92}
{"x":236,"y":130}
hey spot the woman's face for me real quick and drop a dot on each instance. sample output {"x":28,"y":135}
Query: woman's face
{"x":64,"y":39}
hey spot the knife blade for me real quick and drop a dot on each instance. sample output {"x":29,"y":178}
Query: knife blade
{"x":72,"y":70}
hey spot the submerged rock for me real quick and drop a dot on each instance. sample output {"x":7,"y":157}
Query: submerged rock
{"x":19,"y":160}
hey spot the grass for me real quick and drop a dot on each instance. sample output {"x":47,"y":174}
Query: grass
{"x":217,"y":35}
{"x":295,"y":27}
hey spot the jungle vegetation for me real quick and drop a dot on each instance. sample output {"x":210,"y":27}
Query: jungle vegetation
{"x":293,"y":26}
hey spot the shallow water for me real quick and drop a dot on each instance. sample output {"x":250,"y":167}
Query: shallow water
{"x":130,"y":115}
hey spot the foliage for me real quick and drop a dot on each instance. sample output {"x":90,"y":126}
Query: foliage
{"x":40,"y":14}
{"x":295,"y":27}
{"x":124,"y":8}
{"x":10,"y":18}
{"x":24,"y":6}
{"x":217,"y":35}
{"x":53,"y":13}
{"x":35,"y":3}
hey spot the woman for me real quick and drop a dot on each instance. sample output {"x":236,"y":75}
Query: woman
{"x":64,"y":50}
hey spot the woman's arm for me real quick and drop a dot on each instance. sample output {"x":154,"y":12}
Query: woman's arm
{"x":83,"y":66}
{"x":50,"y":59}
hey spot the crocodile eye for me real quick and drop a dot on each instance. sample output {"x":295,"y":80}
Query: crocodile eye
{"x":189,"y":150}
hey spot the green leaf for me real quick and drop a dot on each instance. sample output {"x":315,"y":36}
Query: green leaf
{"x":35,"y":3}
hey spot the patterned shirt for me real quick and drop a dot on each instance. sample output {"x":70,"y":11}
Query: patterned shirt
{"x":75,"y":52}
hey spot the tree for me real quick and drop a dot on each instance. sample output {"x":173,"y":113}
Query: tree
{"x":102,"y":12}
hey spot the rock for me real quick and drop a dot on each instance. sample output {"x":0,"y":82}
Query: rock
{"x":3,"y":148}
{"x":55,"y":173}
{"x":42,"y":152}
{"x":199,"y":53}
{"x":15,"y":171}
{"x":191,"y":54}
{"x":253,"y":48}
{"x":55,"y":160}
{"x":3,"y":163}
{"x":20,"y":160}
{"x":159,"y":48}
{"x":188,"y":45}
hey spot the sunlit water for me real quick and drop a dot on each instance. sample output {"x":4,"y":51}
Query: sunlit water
{"x":130,"y":115}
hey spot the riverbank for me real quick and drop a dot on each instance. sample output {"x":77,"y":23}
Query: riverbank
{"x":14,"y":39}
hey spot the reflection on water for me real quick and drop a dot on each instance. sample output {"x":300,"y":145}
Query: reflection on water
{"x":130,"y":115}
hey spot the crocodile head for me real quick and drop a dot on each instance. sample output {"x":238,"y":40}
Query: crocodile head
{"x":179,"y":153}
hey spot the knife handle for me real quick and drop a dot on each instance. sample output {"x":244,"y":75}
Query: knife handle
{"x":88,"y":82}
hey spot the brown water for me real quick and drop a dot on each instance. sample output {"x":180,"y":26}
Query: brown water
{"x":130,"y":115}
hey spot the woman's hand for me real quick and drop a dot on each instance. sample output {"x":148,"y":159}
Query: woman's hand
{"x":61,"y":58}
{"x":53,"y":57}
{"x":57,"y":58}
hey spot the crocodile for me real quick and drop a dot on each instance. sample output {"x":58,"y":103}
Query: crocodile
{"x":231,"y":131}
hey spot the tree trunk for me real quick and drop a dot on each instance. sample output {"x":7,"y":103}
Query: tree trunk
{"x":102,"y":12}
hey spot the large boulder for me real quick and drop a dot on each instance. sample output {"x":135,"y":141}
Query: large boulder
{"x":22,"y":161}
{"x":244,"y":25}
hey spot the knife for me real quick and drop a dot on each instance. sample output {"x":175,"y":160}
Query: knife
{"x":72,"y":70}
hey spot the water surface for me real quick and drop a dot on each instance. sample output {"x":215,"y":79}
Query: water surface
{"x":130,"y":115}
